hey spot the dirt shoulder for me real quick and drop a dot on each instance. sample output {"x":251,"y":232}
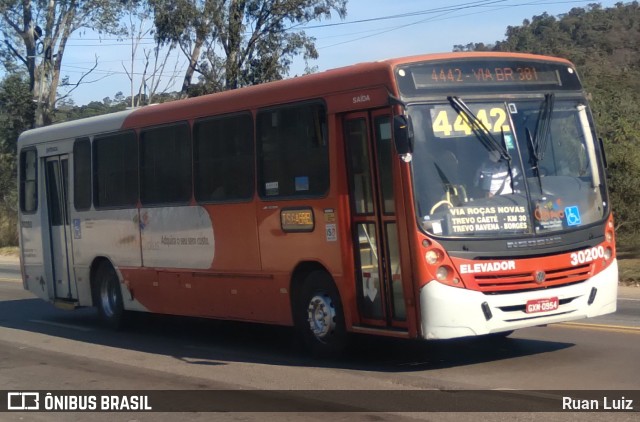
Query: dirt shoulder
{"x":629,"y":271}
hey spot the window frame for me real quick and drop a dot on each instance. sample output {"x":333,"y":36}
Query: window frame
{"x":76,"y":143}
{"x":23,"y":180}
{"x":196,"y":158}
{"x":95,"y":168}
{"x":144,"y":202}
{"x":259,"y":151}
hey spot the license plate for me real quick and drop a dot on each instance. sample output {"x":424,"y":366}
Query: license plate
{"x":542,"y":305}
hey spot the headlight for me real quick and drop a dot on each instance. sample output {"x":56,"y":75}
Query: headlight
{"x":432,"y":257}
{"x":442,"y":273}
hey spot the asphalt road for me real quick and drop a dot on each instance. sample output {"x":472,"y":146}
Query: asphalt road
{"x":44,"y":348}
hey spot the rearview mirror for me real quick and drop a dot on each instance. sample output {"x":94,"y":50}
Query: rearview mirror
{"x":403,"y":134}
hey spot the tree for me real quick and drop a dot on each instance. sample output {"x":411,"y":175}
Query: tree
{"x":155,"y":60}
{"x":234,"y":43}
{"x":17,"y":112}
{"x":472,"y":47}
{"x":36,"y":34}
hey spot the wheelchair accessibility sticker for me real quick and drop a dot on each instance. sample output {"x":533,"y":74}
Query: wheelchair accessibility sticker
{"x":573,"y":216}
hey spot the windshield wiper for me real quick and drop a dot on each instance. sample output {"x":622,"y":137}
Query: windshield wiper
{"x":543,"y":126}
{"x":479,"y":129}
{"x":538,"y":142}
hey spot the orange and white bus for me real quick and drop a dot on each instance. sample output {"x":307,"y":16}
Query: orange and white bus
{"x":430,"y":197}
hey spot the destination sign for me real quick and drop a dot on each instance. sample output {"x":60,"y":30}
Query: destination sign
{"x":446,"y":75}
{"x":480,"y":75}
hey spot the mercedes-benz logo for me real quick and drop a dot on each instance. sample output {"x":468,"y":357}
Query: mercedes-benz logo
{"x":540,"y":277}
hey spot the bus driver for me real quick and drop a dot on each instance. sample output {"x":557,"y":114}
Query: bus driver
{"x":493,"y":176}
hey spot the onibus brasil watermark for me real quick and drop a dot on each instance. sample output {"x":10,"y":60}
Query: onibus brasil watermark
{"x":36,"y":401}
{"x":319,"y":401}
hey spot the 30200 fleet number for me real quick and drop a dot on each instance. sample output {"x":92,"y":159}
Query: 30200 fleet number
{"x":587,"y":255}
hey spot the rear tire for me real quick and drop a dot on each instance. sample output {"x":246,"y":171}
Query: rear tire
{"x":319,"y":317}
{"x":108,"y":297}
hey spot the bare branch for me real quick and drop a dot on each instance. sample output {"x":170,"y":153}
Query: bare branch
{"x":15,"y":52}
{"x":126,"y":71}
{"x":143,"y":82}
{"x":81,"y":81}
{"x":158,"y":70}
{"x":12,"y":24}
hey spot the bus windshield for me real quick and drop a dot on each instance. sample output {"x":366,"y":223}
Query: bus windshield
{"x":519,"y":167}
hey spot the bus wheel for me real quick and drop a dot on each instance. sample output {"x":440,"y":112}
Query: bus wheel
{"x":109,"y":297}
{"x":319,"y":317}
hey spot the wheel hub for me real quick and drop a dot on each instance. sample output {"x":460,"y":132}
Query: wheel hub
{"x":321,"y":316}
{"x":108,"y":298}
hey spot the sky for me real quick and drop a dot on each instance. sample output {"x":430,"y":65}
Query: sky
{"x":372,"y":30}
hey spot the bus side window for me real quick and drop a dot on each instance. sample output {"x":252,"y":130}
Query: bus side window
{"x":82,"y":174}
{"x":28,"y":181}
{"x":165,"y":164}
{"x":223,"y":159}
{"x":292,"y":151}
{"x":115,"y":170}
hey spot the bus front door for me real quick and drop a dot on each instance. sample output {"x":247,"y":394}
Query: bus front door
{"x":61,"y":268}
{"x":379,"y":289}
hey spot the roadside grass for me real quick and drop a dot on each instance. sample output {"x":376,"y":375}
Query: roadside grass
{"x":629,"y":272}
{"x":9,"y":251}
{"x":628,"y":250}
{"x":8,"y":229}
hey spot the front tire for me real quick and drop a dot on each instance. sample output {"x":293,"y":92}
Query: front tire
{"x":319,"y":316}
{"x":108,"y":297}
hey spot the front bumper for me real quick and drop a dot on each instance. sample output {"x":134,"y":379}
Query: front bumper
{"x":450,"y":312}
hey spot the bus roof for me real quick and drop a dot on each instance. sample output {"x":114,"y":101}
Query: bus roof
{"x":474,"y":54}
{"x":75,"y":128}
{"x":318,"y":85}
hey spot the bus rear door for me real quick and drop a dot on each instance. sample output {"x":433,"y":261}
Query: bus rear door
{"x":379,"y":287}
{"x":60,"y":233}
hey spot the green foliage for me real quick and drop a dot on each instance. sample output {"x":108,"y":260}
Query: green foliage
{"x":605,"y":46}
{"x":94,"y":108}
{"x":472,"y":47}
{"x":17,"y":112}
{"x":237,"y":43}
{"x":8,"y":215}
{"x":69,"y":111}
